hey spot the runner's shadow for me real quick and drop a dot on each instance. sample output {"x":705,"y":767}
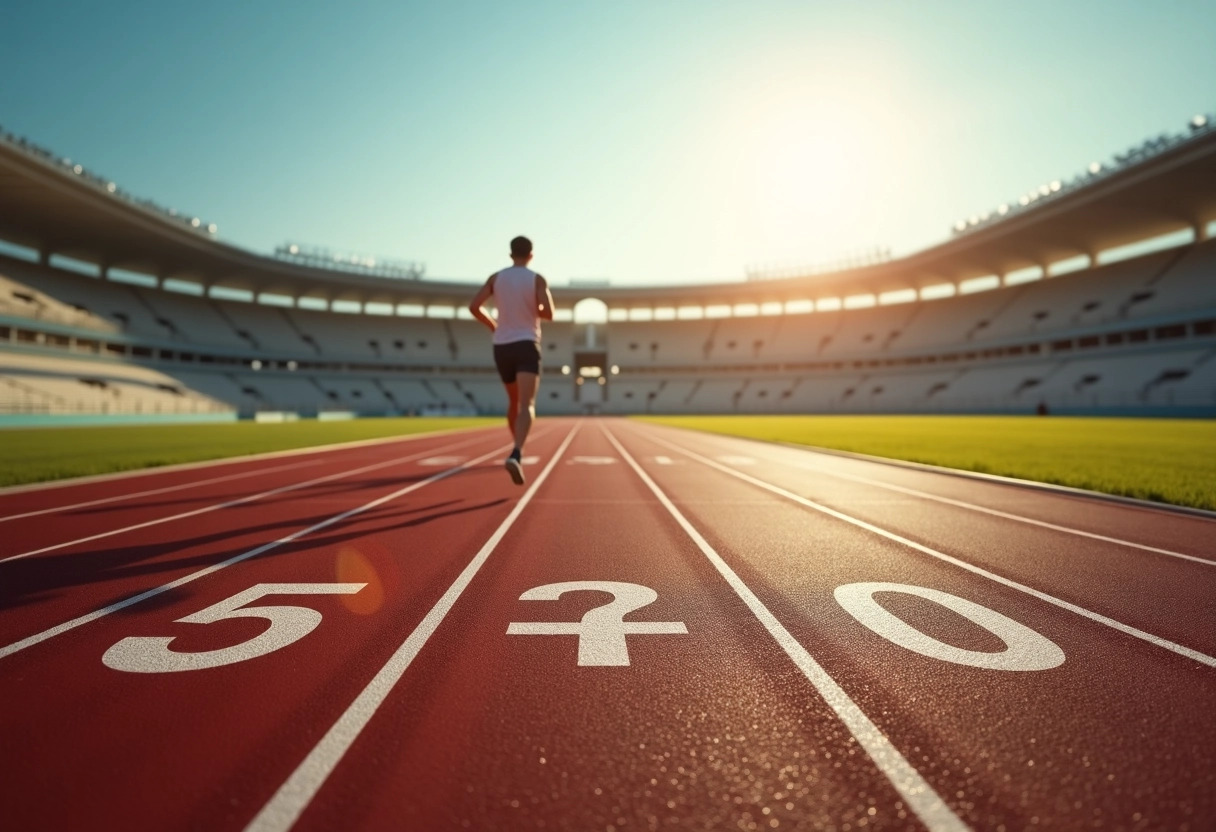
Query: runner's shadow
{"x":318,"y":489}
{"x":35,"y":579}
{"x":310,"y":543}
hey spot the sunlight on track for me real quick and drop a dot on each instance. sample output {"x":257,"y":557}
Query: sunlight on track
{"x":1189,"y":653}
{"x":907,"y":780}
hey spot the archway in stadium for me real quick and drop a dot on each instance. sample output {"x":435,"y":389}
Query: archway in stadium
{"x":590,"y":354}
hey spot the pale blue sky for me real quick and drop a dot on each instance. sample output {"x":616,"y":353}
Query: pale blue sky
{"x":655,"y":142}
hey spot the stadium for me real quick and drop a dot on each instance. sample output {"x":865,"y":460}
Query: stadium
{"x":111,"y":306}
{"x":892,"y":542}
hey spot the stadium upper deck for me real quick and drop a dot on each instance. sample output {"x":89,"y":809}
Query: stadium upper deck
{"x":50,"y":208}
{"x":1134,"y":335}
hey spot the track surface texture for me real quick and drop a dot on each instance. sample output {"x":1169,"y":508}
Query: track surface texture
{"x":661,"y":629}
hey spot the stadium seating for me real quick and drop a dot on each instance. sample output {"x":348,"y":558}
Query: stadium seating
{"x":1188,"y":284}
{"x":26,"y":292}
{"x":67,"y":385}
{"x":1125,"y":336}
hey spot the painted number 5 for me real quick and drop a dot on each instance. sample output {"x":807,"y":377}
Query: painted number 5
{"x":151,"y":654}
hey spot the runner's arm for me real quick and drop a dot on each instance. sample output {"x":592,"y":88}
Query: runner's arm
{"x":544,"y":299}
{"x":483,"y":294}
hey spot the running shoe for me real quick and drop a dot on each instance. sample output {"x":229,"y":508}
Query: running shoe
{"x":516,"y":469}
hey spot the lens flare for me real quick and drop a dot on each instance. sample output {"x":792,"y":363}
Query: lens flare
{"x":353,"y":567}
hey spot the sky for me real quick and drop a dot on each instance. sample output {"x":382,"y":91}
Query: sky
{"x":652,"y":142}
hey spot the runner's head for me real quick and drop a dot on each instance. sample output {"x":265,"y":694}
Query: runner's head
{"x":521,"y":249}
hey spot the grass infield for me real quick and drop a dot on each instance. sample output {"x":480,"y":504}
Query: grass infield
{"x":54,"y":453}
{"x":1166,"y":460}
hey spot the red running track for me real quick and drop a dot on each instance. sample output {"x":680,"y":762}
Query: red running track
{"x":662,"y":629}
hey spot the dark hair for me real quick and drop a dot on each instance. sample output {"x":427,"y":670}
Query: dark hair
{"x":521,"y":247}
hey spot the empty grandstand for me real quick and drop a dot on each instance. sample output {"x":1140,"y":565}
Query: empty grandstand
{"x":108,"y":306}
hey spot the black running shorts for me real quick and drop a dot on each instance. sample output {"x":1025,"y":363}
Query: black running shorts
{"x":516,"y":357}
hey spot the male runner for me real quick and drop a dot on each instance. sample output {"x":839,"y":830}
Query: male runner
{"x":523,"y":298}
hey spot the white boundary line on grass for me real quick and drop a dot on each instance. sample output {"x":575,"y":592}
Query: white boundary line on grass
{"x":37,"y":638}
{"x":973,"y":506}
{"x":227,"y":460}
{"x":293,"y":797}
{"x":238,"y":501}
{"x":1202,"y":658}
{"x":903,"y":776}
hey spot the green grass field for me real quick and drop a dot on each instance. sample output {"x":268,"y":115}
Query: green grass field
{"x":54,"y":453}
{"x":1166,"y":460}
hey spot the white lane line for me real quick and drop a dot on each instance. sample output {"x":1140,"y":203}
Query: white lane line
{"x":302,"y":786}
{"x":216,"y":567}
{"x":913,"y":788}
{"x":912,"y":544}
{"x":1006,"y":515}
{"x":229,"y":503}
{"x":165,"y":490}
{"x":985,"y":510}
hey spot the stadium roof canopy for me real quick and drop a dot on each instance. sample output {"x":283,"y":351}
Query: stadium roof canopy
{"x":45,"y":207}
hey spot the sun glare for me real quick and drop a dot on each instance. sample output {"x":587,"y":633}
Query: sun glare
{"x":812,"y":155}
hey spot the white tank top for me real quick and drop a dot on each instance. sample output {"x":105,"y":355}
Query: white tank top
{"x":515,"y":298}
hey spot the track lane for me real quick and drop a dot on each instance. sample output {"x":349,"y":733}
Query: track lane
{"x":714,"y":728}
{"x":1116,"y":735}
{"x":49,"y":528}
{"x":1100,"y":576}
{"x":39,"y":595}
{"x":208,"y":747}
{"x":42,"y":507}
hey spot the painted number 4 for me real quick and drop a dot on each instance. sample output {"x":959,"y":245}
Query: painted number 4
{"x":151,"y":654}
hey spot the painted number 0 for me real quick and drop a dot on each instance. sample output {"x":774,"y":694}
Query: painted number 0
{"x":1024,"y":648}
{"x":151,"y":654}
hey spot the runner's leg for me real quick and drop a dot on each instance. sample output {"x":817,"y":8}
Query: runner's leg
{"x":526,"y":410}
{"x":512,"y":404}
